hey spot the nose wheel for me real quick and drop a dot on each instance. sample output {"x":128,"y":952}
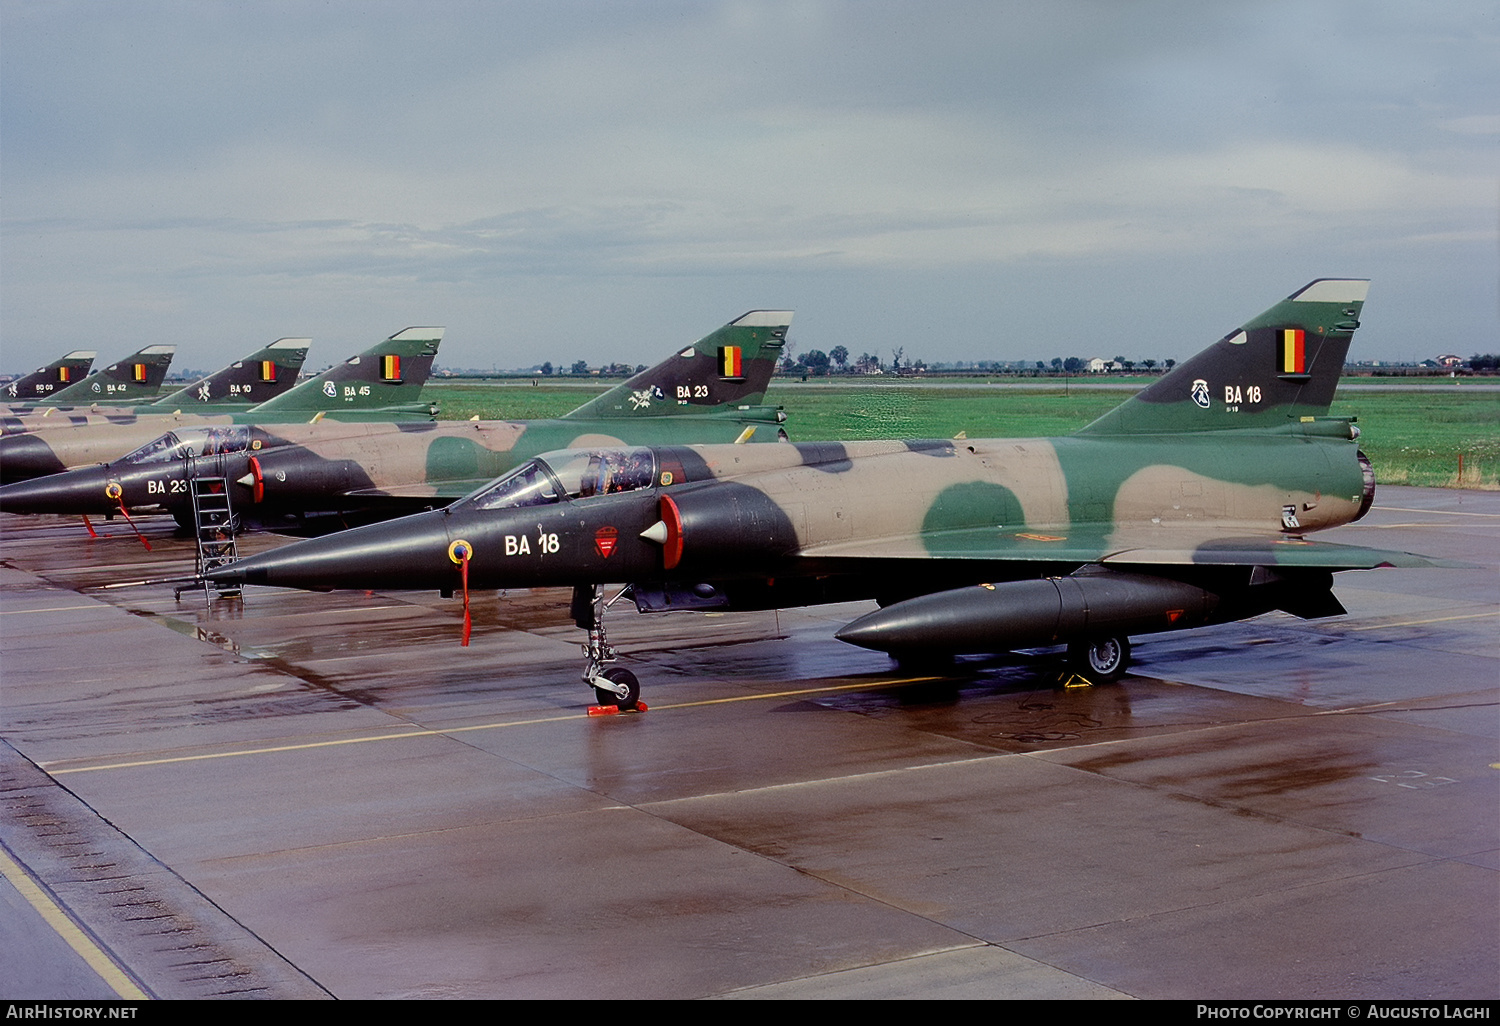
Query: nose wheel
{"x":615,"y":686}
{"x":626,"y":693}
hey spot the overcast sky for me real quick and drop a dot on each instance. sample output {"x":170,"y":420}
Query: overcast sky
{"x":608,"y":180}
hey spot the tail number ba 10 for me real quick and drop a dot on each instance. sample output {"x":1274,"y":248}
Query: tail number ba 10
{"x":520,"y":544}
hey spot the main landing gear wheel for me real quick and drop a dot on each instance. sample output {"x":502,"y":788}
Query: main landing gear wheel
{"x":624,"y":678}
{"x":1100,"y":660}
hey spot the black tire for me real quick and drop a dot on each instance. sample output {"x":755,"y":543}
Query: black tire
{"x":1101,"y":659}
{"x":620,"y":675}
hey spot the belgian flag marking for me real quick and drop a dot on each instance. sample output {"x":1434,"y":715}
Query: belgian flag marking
{"x":140,"y":372}
{"x":1293,"y":351}
{"x":730,"y":364}
{"x":65,"y":374}
{"x":391,"y":368}
{"x":268,"y":370}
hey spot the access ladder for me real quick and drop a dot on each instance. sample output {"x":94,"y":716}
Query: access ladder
{"x":214,"y":520}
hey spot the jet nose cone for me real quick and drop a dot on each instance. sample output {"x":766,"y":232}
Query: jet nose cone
{"x":410,"y":553}
{"x":23,"y":457}
{"x":872,"y":631}
{"x":78,"y":491}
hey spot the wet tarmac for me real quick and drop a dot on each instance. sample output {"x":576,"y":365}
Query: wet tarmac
{"x":301,"y":795}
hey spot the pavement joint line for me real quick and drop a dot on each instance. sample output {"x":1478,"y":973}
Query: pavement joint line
{"x":1418,"y":623}
{"x":96,"y":958}
{"x":56,"y":769}
{"x":1438,"y":513}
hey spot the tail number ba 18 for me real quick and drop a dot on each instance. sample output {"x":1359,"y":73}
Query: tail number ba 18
{"x":520,"y":544}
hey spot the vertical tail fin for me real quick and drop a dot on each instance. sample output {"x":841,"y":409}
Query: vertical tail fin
{"x":264,"y":374}
{"x":385,"y":375}
{"x":136,"y":378}
{"x":1280,"y":366}
{"x":56,"y":376}
{"x":728,"y":367}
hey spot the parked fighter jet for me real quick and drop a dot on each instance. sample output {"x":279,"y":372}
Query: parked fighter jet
{"x":263,"y":375}
{"x":281,"y":475}
{"x":1187,"y":505}
{"x":384,"y":383}
{"x":54,"y":377}
{"x":136,"y":378}
{"x":258,"y":378}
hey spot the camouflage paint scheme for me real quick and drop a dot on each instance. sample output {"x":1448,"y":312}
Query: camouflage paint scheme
{"x":137,"y":378}
{"x":353,"y":390}
{"x":57,"y":375}
{"x":286,"y":473}
{"x":1186,"y":505}
{"x":264,"y":374}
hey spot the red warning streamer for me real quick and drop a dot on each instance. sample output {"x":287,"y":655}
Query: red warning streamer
{"x":114,"y":491}
{"x":460,"y":552}
{"x":468,"y":624}
{"x":137,"y":530}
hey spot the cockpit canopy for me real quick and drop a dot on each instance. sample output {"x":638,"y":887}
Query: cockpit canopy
{"x":570,"y":474}
{"x":198,"y":441}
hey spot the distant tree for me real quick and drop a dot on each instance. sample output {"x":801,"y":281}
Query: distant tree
{"x":1170,"y":364}
{"x":547,"y":367}
{"x":816,"y":362}
{"x":840,"y":356}
{"x":789,"y":360}
{"x":580,"y":367}
{"x":1057,"y":363}
{"x":1073,"y":365}
{"x":1150,"y":365}
{"x":1041,"y":366}
{"x":896,"y":355}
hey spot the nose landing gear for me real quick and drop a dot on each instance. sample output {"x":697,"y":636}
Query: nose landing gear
{"x":615,"y":686}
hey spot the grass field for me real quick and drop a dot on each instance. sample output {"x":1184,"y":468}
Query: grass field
{"x":1412,"y":437}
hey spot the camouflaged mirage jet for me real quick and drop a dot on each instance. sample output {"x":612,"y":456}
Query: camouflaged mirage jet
{"x":282,"y":476}
{"x":382,"y":383}
{"x":1189,"y":504}
{"x":137,"y":378}
{"x":261,"y":376}
{"x":56,"y":376}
